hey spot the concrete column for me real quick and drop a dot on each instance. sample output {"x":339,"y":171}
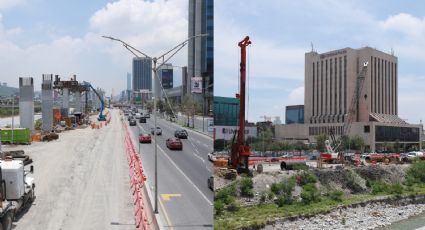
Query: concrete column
{"x":47,"y":102}
{"x":78,"y":101}
{"x":65,"y":101}
{"x":26,"y":102}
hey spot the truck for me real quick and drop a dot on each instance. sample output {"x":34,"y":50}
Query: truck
{"x":16,"y":190}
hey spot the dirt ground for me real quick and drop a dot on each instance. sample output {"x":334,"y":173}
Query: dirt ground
{"x":81,"y":181}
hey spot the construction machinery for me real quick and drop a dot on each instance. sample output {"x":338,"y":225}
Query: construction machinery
{"x":16,"y":187}
{"x":240,"y":152}
{"x":102,"y":103}
{"x":334,"y":152}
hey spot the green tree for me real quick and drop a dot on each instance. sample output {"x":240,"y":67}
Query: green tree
{"x":266,"y":137}
{"x":357,"y":143}
{"x":188,"y":107}
{"x":397,"y":146}
{"x":320,"y":142}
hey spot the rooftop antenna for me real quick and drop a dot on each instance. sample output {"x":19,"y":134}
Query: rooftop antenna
{"x":392,"y":51}
{"x":312,"y":47}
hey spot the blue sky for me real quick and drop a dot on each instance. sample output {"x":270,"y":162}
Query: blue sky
{"x":64,"y":37}
{"x":282,"y":32}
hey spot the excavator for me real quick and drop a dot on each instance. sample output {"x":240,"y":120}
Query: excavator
{"x":102,"y":103}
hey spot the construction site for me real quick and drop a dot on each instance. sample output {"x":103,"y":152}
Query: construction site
{"x":301,"y":190}
{"x":70,"y":172}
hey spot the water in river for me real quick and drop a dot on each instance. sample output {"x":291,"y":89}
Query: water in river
{"x":416,"y":222}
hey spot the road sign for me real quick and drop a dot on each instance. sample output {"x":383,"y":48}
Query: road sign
{"x":210,"y":125}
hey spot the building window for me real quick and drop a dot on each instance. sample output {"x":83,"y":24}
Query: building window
{"x":340,"y":86}
{"x":330,"y":86}
{"x":326,"y":86}
{"x":371,"y":83}
{"x":379,"y":87}
{"x":366,"y":129}
{"x":345,"y":84}
{"x":375,"y":86}
{"x":314,"y":88}
{"x":335,"y":87}
{"x":321,"y":88}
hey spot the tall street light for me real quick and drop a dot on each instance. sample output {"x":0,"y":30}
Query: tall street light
{"x":165,"y":58}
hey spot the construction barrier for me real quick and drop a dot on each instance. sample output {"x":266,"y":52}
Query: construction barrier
{"x":137,"y":181}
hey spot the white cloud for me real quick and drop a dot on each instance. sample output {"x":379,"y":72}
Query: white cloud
{"x":406,"y":24}
{"x":296,"y":96}
{"x":8,"y":4}
{"x":153,"y":27}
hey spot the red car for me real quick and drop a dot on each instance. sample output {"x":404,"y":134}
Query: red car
{"x":145,"y":138}
{"x":174,"y":143}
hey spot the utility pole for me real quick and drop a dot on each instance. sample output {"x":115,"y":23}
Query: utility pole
{"x":155,"y":68}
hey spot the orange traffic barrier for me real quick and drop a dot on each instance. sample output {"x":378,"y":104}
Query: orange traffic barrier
{"x":36,"y":137}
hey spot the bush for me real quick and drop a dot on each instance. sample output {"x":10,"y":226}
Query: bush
{"x":336,"y":195}
{"x":416,"y":173}
{"x":270,"y":195}
{"x":226,"y":195}
{"x":379,"y":187}
{"x":396,"y":189}
{"x":310,"y":194}
{"x":306,"y":178}
{"x":246,"y":186}
{"x":233,"y":206}
{"x":263,"y":197}
{"x":284,"y":200}
{"x":218,"y":207}
{"x":276,"y":188}
{"x":38,"y":124}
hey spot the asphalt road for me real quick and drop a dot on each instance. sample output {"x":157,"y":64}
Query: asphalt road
{"x":185,"y":201}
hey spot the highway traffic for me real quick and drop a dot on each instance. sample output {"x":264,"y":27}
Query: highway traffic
{"x":185,"y":201}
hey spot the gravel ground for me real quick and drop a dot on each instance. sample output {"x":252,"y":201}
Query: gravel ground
{"x":81,"y":181}
{"x":371,"y":216}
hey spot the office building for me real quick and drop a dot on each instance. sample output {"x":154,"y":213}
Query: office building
{"x":142,"y":74}
{"x":294,"y":114}
{"x":331,"y":80}
{"x":142,"y":78}
{"x":165,"y":77}
{"x":200,"y":67}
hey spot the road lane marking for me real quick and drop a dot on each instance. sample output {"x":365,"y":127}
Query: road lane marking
{"x":170,"y":225}
{"x":167,"y":197}
{"x":187,"y":178}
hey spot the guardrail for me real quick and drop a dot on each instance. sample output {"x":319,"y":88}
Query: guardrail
{"x":137,"y":181}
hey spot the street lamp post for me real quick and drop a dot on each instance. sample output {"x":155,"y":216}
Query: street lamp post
{"x":13,"y":117}
{"x":155,"y":68}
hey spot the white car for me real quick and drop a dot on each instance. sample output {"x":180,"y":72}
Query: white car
{"x":138,"y":115}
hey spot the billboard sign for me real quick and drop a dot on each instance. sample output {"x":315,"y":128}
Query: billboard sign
{"x":227,"y":132}
{"x":197,"y":85}
{"x":167,"y":78}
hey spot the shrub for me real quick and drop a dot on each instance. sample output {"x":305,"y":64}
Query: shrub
{"x":276,"y":188}
{"x":246,"y":186}
{"x":233,"y":206}
{"x":270,"y":195}
{"x":226,"y":195}
{"x":396,"y":189}
{"x":218,"y":207}
{"x":336,"y":195}
{"x":379,"y":187}
{"x":306,"y":178}
{"x":263,"y":197}
{"x":310,"y":194}
{"x":283,"y":200}
{"x":416,"y":173}
{"x":38,"y":124}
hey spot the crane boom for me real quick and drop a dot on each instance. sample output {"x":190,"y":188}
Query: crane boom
{"x":102,"y":103}
{"x":353,"y":112}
